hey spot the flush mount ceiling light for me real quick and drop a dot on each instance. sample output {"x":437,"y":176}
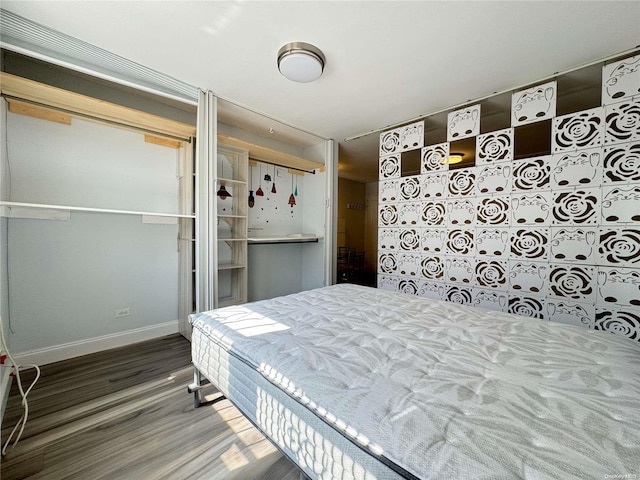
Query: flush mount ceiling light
{"x":453,"y":158}
{"x":300,"y":62}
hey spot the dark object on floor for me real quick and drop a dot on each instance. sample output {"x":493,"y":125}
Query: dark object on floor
{"x":350,"y":265}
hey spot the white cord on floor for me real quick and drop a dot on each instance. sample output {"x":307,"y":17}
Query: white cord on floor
{"x":25,"y":414}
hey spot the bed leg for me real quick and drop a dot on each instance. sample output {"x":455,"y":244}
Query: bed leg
{"x":195,"y":387}
{"x":197,"y":379}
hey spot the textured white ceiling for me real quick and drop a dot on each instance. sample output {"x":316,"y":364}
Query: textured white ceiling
{"x":386,"y":61}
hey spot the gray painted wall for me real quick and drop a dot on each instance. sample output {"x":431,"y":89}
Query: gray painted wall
{"x":4,"y":192}
{"x":67,"y":278}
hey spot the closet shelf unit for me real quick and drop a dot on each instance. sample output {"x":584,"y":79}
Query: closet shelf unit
{"x":232,"y":168}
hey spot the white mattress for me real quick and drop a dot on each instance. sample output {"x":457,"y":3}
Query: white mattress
{"x":431,"y":389}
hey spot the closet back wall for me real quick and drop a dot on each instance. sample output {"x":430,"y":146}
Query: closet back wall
{"x":68,"y":277}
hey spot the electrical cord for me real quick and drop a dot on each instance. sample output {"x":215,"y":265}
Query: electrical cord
{"x":22,"y":421}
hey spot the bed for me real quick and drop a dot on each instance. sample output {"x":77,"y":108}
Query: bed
{"x":354,"y":382}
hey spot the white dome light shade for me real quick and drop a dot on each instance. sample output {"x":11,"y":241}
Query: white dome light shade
{"x":300,"y":62}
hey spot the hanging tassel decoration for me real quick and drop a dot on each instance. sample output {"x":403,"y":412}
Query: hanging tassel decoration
{"x":273,"y":186}
{"x":252,"y":200}
{"x":259,"y":192}
{"x":292,"y":199}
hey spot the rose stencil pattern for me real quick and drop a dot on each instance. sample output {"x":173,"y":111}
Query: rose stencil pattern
{"x":554,"y":235}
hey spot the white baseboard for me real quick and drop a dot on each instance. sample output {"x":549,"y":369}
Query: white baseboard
{"x":56,"y":353}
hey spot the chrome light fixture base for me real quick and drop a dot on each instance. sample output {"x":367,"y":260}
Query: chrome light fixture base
{"x":301,"y":62}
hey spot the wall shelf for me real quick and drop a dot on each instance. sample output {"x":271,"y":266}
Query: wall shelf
{"x":230,"y":266}
{"x":231,"y":181}
{"x":284,"y":239}
{"x":75,"y":104}
{"x":265,"y":154}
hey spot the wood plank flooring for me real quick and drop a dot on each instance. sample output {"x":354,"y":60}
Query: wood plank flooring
{"x":126,"y":414}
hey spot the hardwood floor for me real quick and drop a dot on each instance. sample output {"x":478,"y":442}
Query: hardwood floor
{"x":126,"y":414}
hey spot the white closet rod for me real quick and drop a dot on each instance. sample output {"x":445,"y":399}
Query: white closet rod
{"x":313,"y":172}
{"x":92,"y":210}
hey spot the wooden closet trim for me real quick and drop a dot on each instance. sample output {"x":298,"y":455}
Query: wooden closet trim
{"x":82,"y":106}
{"x":163,"y":141}
{"x":269,"y":155}
{"x":30,"y":110}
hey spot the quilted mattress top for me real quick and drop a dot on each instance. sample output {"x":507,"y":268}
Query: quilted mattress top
{"x":440,"y":390}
